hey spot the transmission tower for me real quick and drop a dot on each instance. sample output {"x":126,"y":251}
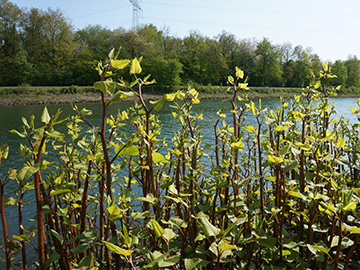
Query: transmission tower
{"x":136,"y":9}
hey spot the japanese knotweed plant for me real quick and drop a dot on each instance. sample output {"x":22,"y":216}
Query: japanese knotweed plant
{"x":276,"y":188}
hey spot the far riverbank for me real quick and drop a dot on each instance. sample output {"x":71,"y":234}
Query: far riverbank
{"x":31,"y":95}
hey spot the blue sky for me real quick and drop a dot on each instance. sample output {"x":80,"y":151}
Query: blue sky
{"x":330,"y":27}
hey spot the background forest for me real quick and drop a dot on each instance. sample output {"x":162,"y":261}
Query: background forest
{"x":42,"y":48}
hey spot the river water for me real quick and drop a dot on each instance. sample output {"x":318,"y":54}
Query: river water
{"x":11,"y":118}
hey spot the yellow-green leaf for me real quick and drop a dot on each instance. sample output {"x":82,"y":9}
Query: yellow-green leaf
{"x":305,"y":147}
{"x":340,"y":143}
{"x":159,"y":231}
{"x":349,"y":207}
{"x":170,"y":97}
{"x":239,"y":73}
{"x":281,"y":128}
{"x":296,"y":195}
{"x":120,"y":64}
{"x":157,"y":157}
{"x":325,"y":66}
{"x":118,"y":250}
{"x":237,"y":145}
{"x":135,"y":67}
{"x":225,"y":246}
{"x":275,"y":159}
{"x":230,"y":79}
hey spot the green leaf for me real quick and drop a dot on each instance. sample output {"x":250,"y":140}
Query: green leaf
{"x":159,"y":231}
{"x":55,"y":134}
{"x":135,"y":67}
{"x":114,"y":212}
{"x":9,"y":201}
{"x":239,"y":73}
{"x":111,"y":53}
{"x":53,"y":258}
{"x":296,"y":195}
{"x":340,"y":143}
{"x":22,"y":135}
{"x":149,"y":198}
{"x":315,"y":248}
{"x":120,"y":64}
{"x":107,"y":87}
{"x":127,"y":151}
{"x":27,"y":171}
{"x":325,"y":66}
{"x":88,"y":236}
{"x":154,"y":258}
{"x":157,"y":105}
{"x":195,"y":263}
{"x":353,"y":229}
{"x":45,"y":117}
{"x":79,"y":249}
{"x":121,"y":95}
{"x":275,"y":159}
{"x":169,"y":234}
{"x":157,"y":158}
{"x":87,"y":261}
{"x":56,"y":235}
{"x":60,"y":191}
{"x":290,"y":165}
{"x":305,"y":147}
{"x":225,"y":246}
{"x":171,"y":97}
{"x":208,"y":228}
{"x":267,"y":242}
{"x":118,"y":250}
{"x":281,"y":128}
{"x":230,"y":79}
{"x":170,"y":261}
{"x":237,"y":145}
{"x":350,"y":207}
{"x":254,"y":110}
{"x":4,"y":151}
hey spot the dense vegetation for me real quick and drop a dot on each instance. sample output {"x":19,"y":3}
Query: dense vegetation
{"x":42,"y":48}
{"x":280,"y":193}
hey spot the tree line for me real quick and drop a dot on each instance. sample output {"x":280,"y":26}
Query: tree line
{"x":41,"y":47}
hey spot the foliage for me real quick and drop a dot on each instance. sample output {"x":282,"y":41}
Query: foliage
{"x":282,"y":192}
{"x":41,"y":47}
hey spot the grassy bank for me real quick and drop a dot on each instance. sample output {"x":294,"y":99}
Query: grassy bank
{"x":28,"y":95}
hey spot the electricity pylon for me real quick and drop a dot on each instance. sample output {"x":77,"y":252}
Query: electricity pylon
{"x":136,"y":9}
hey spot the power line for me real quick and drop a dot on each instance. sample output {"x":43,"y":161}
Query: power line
{"x":101,"y":11}
{"x":249,"y":26}
{"x":250,"y":10}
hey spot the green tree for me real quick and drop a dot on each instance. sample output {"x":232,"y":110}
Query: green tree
{"x":166,"y":72}
{"x":212,"y":62}
{"x":132,"y":43}
{"x":228,"y":47}
{"x":340,"y":70}
{"x":153,"y":39}
{"x":170,"y":46}
{"x":269,"y":71}
{"x":50,"y":42}
{"x":353,"y":67}
{"x":302,"y":70}
{"x":316,"y":64}
{"x":193,"y":46}
{"x":10,"y":20}
{"x":95,"y":42}
{"x":245,"y":58}
{"x":14,"y":67}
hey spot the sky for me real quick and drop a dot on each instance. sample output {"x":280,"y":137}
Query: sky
{"x":331,"y":28}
